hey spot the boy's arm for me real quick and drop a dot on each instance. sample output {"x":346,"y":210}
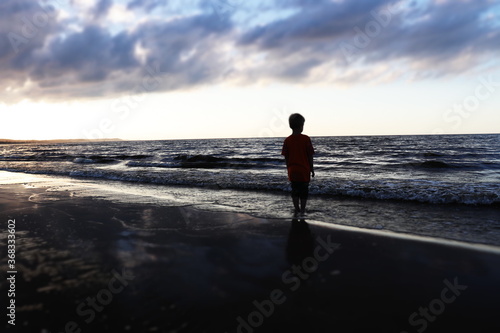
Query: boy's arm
{"x":311,"y":165}
{"x":284,"y":152}
{"x":310,"y":154}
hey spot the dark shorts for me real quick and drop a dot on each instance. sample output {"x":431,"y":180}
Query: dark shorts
{"x":300,"y":189}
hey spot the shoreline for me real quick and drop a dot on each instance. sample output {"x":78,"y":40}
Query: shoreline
{"x":328,"y":225}
{"x":449,"y":222}
{"x":424,"y":239}
{"x":104,"y":266}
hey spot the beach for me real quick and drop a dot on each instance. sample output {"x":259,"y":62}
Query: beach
{"x":95,"y":263}
{"x":230,"y":166}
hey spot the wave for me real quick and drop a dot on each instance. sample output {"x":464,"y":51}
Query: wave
{"x":432,"y":154}
{"x":434,"y":165}
{"x":52,"y":156}
{"x":135,"y":164}
{"x":111,"y":159}
{"x":95,"y":160}
{"x":423,"y":191}
{"x":431,"y":192}
{"x":431,"y":166}
{"x":418,"y":169}
{"x":132,"y":157}
{"x":214,"y":162}
{"x":143,"y":160}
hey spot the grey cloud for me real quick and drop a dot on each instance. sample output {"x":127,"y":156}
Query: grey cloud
{"x":91,"y":55}
{"x":187,"y":51}
{"x":102,"y":8}
{"x":147,"y":5}
{"x":25,"y":26}
{"x":314,"y":21}
{"x":436,"y":34}
{"x":94,"y":61}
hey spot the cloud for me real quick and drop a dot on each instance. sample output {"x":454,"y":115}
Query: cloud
{"x":95,"y":61}
{"x":91,"y":55}
{"x":102,"y":8}
{"x":147,"y":5}
{"x":318,"y":41}
{"x":25,"y":28}
{"x":353,"y":33}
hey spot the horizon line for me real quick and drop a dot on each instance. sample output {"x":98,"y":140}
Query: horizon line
{"x":7,"y":141}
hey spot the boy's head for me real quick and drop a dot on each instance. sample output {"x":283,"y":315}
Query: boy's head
{"x":296,"y":121}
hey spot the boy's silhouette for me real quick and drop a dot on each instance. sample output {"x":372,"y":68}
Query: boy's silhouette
{"x":298,"y":152}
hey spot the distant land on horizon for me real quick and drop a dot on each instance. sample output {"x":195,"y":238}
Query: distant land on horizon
{"x":9,"y":141}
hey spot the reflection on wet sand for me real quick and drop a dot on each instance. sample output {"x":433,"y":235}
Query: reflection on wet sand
{"x":200,"y":271}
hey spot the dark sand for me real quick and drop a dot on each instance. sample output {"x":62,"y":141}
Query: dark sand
{"x":196,"y":271}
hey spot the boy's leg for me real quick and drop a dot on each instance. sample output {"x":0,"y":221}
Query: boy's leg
{"x":303,"y":203}
{"x":304,"y":194}
{"x":295,"y":199}
{"x":296,"y":196}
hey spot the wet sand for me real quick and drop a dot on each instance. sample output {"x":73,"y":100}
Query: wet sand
{"x":93,"y":265}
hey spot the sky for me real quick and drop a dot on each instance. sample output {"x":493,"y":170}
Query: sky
{"x":186,"y":69}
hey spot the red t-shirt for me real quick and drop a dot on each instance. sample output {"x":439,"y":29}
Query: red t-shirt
{"x":297,"y":149}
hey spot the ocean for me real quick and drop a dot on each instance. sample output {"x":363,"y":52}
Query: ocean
{"x":438,"y":186}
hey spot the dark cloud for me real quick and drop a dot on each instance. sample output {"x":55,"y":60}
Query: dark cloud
{"x":323,"y":39}
{"x":372,"y":31}
{"x":438,"y":34}
{"x":25,"y":27}
{"x":91,"y":55}
{"x":314,"y":22}
{"x":179,"y":53}
{"x":102,"y":8}
{"x":147,"y":5}
{"x":187,"y":49}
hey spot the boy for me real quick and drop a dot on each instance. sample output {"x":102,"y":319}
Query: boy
{"x":298,"y":152}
